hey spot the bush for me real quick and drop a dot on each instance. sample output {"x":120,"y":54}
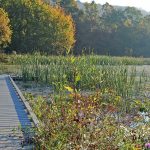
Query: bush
{"x":86,"y":122}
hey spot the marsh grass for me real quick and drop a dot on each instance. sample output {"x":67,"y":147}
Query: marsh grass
{"x":92,"y":59}
{"x":96,"y":102}
{"x":81,"y":74}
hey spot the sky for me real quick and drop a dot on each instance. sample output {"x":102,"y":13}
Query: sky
{"x":143,"y":4}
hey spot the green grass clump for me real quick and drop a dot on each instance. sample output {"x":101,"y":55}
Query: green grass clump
{"x":92,"y":59}
{"x":79,"y":73}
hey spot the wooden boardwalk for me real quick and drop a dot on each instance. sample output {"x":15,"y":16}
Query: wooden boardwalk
{"x":15,"y":117}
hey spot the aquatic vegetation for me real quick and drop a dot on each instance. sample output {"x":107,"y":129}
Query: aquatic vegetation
{"x":98,"y":102}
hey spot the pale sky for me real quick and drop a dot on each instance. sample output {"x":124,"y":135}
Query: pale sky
{"x":143,"y":4}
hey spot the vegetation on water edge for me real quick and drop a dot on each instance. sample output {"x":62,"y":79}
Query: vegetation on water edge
{"x":95,"y":121}
{"x":14,"y":59}
{"x":84,"y":72}
{"x":95,"y":105}
{"x":98,"y":101}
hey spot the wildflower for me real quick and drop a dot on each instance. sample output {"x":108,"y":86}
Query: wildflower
{"x":147,"y":145}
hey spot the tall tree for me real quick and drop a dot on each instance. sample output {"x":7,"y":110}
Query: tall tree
{"x":92,"y":15}
{"x":5,"y":31}
{"x":38,"y":26}
{"x":133,"y":14}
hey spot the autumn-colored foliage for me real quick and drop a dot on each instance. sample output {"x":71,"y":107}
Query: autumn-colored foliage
{"x":38,"y":26}
{"x":5,"y":31}
{"x":86,"y":122}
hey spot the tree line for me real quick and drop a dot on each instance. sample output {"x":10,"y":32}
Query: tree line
{"x":59,"y":26}
{"x":108,"y":30}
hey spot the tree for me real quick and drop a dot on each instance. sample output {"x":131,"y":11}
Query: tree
{"x":70,"y":6}
{"x":133,"y":15}
{"x":111,"y":17}
{"x":87,"y":27}
{"x":92,"y":15}
{"x":38,"y":26}
{"x":5,"y":31}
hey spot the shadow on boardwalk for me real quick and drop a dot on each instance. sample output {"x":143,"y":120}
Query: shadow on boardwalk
{"x":15,"y":123}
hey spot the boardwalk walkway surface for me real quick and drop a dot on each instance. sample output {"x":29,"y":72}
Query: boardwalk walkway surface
{"x":14,"y":117}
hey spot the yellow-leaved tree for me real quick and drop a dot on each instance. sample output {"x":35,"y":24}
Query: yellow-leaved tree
{"x":5,"y":31}
{"x":38,"y":26}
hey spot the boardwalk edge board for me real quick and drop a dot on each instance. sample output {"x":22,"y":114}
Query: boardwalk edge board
{"x":29,"y":109}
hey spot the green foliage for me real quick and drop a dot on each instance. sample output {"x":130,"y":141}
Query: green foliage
{"x":11,"y":63}
{"x":72,"y":71}
{"x":109,"y":30}
{"x":5,"y":31}
{"x":113,"y":31}
{"x":38,"y":26}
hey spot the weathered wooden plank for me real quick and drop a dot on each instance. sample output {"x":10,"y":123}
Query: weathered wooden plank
{"x":13,"y":114}
{"x":33,"y":116}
